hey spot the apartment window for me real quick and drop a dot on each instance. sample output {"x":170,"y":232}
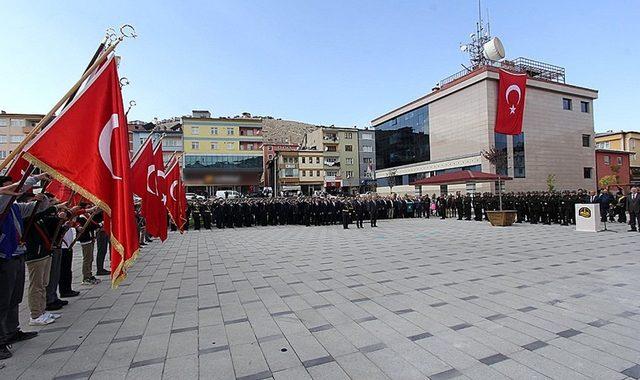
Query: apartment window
{"x":607,"y":160}
{"x":3,"y":154}
{"x":303,"y":160}
{"x":18,"y":123}
{"x":348,"y":148}
{"x":367,"y":149}
{"x":195,"y":145}
{"x":229,"y":131}
{"x":586,"y":141}
{"x":214,"y":130}
{"x":230,"y":146}
{"x":331,"y":148}
{"x":367,"y":136}
{"x":304,"y":173}
{"x":3,"y":138}
{"x":310,"y":173}
{"x":632,"y":143}
{"x":349,"y":161}
{"x":349,"y":173}
{"x":587,"y":172}
{"x":4,"y":122}
{"x":195,"y":130}
{"x":633,"y":157}
{"x":348,"y":135}
{"x":604,"y":145}
{"x":519,"y":167}
{"x":214,"y":146}
{"x":619,"y":160}
{"x":317,"y":160}
{"x":17,"y":139}
{"x":566,"y":104}
{"x":367,"y":160}
{"x":318,"y":173}
{"x":584,"y":107}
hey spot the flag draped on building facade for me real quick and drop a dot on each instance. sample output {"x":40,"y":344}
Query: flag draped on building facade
{"x":511,"y":99}
{"x":86,"y":148}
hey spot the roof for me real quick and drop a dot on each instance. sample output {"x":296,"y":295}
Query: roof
{"x":462,"y":176}
{"x":615,"y":151}
{"x":612,"y":133}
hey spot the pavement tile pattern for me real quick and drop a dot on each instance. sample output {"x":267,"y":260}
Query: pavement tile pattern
{"x":411,"y":299}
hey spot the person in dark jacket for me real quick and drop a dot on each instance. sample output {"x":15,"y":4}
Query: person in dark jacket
{"x":633,"y":206}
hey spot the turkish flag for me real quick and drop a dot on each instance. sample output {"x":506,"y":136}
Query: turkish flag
{"x":157,"y":219}
{"x":143,"y":173}
{"x":63,"y":193}
{"x":511,"y":96}
{"x":87,"y":149}
{"x":176,"y":201}
{"x":18,"y":168}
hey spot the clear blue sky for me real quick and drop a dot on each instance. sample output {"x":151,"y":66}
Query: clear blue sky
{"x":325,"y":62}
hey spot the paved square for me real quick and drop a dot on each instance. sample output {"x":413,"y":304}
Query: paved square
{"x":409,"y":300}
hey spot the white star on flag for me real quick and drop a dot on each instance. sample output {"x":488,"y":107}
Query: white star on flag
{"x":512,"y":109}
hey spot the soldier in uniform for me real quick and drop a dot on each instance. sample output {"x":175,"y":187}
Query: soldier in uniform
{"x":346,"y":214}
{"x":358,"y":207}
{"x":373,"y":212}
{"x":196,"y":217}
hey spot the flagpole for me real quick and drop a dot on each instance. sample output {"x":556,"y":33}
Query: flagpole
{"x":84,"y":227}
{"x":45,"y":120}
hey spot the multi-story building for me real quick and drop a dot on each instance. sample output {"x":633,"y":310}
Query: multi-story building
{"x":13,"y":128}
{"x":269,"y":152}
{"x":311,"y":171}
{"x":340,"y":150}
{"x":613,"y":163}
{"x":288,"y":173}
{"x":169,"y":130}
{"x":627,"y":141}
{"x":222,"y":153}
{"x":367,"y":156}
{"x":449,"y":128}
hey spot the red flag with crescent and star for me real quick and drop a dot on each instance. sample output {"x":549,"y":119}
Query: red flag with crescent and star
{"x":157,"y":221}
{"x":175,"y":195}
{"x":511,"y":99}
{"x":143,"y":179}
{"x":86,"y":148}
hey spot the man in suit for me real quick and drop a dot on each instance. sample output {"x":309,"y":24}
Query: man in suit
{"x":633,"y":206}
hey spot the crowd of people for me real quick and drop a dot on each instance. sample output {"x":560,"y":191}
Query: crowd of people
{"x":532,"y":207}
{"x":38,"y":233}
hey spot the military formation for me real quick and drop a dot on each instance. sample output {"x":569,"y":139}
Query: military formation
{"x":531,"y":207}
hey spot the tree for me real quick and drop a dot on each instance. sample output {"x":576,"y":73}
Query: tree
{"x":391,"y":179}
{"x":551,"y":182}
{"x":608,"y":180}
{"x":615,"y":169}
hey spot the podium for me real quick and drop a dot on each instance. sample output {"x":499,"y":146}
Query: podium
{"x":588,"y":217}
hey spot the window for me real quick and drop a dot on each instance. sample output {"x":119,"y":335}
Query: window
{"x":632,"y":143}
{"x":17,"y":139}
{"x":214,"y":130}
{"x":607,"y":160}
{"x":348,"y":148}
{"x":195,"y":130}
{"x":566,"y":104}
{"x":4,"y":122}
{"x":303,"y":160}
{"x":304,"y":173}
{"x":230,"y":146}
{"x":230,"y":131}
{"x":214,"y":146}
{"x":310,"y":173}
{"x":195,"y":145}
{"x":501,"y":148}
{"x":518,"y":156}
{"x":331,"y":148}
{"x":3,"y":138}
{"x":318,"y":173}
{"x":349,"y":161}
{"x":18,"y":123}
{"x":586,"y":141}
{"x":348,"y":135}
{"x":633,"y":157}
{"x":584,"y":107}
{"x":3,"y":154}
{"x":367,"y":136}
{"x":367,"y":160}
{"x":349,"y":173}
{"x":604,"y":145}
{"x":367,"y":149}
{"x":317,"y":160}
{"x":619,"y":160}
{"x":587,"y":172}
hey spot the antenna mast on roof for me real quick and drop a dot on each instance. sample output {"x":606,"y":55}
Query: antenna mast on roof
{"x":483,"y":48}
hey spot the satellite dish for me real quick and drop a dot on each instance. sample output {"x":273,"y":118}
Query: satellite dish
{"x":493,"y":49}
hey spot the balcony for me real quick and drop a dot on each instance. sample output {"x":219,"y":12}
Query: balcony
{"x":330,"y":139}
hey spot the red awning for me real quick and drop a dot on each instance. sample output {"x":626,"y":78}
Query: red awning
{"x":463,"y":176}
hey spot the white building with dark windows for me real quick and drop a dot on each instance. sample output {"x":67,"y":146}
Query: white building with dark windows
{"x":449,"y":128}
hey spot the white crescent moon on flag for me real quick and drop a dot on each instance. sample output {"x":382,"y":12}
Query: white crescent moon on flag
{"x":104,"y":143}
{"x":516,"y":88}
{"x":172,"y":188}
{"x":150,"y":169}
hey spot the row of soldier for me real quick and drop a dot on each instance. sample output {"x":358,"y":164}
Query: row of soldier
{"x":531,"y":207}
